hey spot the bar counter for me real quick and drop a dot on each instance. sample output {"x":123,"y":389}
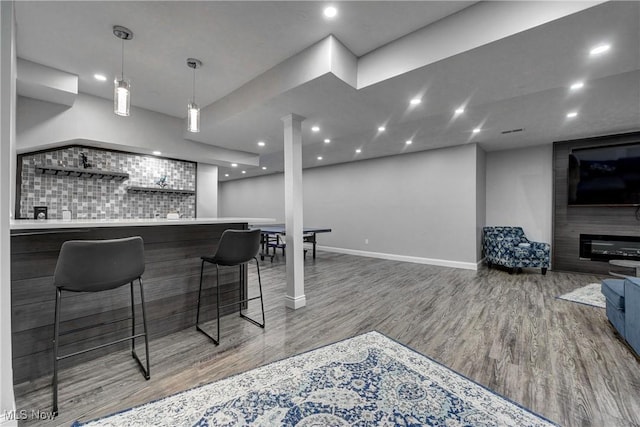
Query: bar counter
{"x":172,"y":272}
{"x":52,"y":224}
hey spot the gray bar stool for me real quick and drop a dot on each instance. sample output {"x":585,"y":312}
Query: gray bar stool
{"x":94,"y":266}
{"x":236,"y":248}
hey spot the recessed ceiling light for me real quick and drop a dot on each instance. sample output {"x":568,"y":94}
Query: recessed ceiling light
{"x":409,"y":142}
{"x":234,"y":165}
{"x":358,"y":151}
{"x":315,"y":129}
{"x":244,"y":171}
{"x":319,"y":157}
{"x":459,"y":110}
{"x":156,"y":153}
{"x":576,"y":86}
{"x":601,"y":48}
{"x":382,"y":129}
{"x":264,"y":168}
{"x":326,"y":141}
{"x":476,"y":130}
{"x":226,"y":174}
{"x":261,"y":143}
{"x":415,"y":101}
{"x":330,"y":12}
{"x":572,"y":114}
{"x":100,"y":77}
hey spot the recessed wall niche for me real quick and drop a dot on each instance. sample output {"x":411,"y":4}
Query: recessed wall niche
{"x":92,"y":196}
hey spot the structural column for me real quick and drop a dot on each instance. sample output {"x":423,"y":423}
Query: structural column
{"x":293,"y":210}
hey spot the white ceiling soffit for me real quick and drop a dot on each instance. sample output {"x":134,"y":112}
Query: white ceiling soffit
{"x":477,"y":25}
{"x":519,"y":82}
{"x":474,"y":26}
{"x":46,"y":125}
{"x":45,"y":83}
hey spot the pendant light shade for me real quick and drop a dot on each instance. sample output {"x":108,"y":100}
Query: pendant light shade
{"x":122,"y":86}
{"x":193,"y":111}
{"x":193,"y":117}
{"x":121,"y":96}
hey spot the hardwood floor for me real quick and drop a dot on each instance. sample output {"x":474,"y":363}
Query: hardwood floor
{"x":506,"y":332}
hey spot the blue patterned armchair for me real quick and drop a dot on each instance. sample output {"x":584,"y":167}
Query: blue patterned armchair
{"x":509,"y":247}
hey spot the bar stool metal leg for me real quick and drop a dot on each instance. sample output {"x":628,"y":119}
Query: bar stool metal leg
{"x":246,"y":300}
{"x":56,"y":338}
{"x":146,"y":333}
{"x":199,"y":295}
{"x":146,"y":373}
{"x":241,"y":304}
{"x":217,"y":304}
{"x":133,"y":322}
{"x":260,"y":287}
{"x":198,"y":328}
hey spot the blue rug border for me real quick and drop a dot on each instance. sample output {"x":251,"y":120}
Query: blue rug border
{"x":78,"y":423}
{"x":473,"y":381}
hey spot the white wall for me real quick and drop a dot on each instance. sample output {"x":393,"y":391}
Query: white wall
{"x":206,"y":191}
{"x":260,"y":197}
{"x":520,"y":190}
{"x":7,"y":190}
{"x":420,"y":205}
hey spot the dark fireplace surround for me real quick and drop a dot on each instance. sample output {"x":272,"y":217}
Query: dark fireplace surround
{"x":586,"y":237}
{"x":602,"y":247}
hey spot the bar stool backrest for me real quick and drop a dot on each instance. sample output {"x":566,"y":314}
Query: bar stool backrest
{"x":237,"y":247}
{"x":98,"y":265}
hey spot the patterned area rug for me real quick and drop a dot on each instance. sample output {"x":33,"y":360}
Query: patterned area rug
{"x":369,"y":380}
{"x":588,"y":295}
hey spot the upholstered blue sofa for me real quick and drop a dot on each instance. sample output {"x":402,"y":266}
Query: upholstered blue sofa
{"x":623,"y":308}
{"x":509,"y":247}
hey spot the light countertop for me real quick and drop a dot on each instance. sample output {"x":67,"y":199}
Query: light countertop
{"x":48,"y":224}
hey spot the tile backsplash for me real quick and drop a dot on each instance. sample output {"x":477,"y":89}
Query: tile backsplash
{"x":96,"y":198}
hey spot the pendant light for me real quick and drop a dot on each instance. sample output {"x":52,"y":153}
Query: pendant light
{"x":193,"y":111}
{"x":122,"y":86}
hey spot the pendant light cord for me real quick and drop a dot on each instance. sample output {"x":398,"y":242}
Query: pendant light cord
{"x":194,"y":85}
{"x":122,"y":72}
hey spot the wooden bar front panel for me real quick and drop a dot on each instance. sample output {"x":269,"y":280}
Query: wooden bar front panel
{"x":171,"y":279}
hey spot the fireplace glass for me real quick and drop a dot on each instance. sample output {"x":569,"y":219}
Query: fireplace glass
{"x":605,"y":247}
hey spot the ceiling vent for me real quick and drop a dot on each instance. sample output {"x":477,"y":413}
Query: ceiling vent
{"x":504,"y":132}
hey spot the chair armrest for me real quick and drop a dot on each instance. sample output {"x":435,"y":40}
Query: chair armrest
{"x":540,"y":246}
{"x":534,"y":251}
{"x":632,"y":312}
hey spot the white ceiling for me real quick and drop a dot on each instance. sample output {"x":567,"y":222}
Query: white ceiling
{"x":518,"y":82}
{"x":236,"y":41}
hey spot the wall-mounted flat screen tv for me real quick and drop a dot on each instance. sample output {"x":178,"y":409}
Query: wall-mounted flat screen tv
{"x":607,"y":176}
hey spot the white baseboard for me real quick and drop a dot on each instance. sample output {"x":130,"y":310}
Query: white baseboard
{"x":406,"y":258}
{"x":6,"y":422}
{"x":295,"y":303}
